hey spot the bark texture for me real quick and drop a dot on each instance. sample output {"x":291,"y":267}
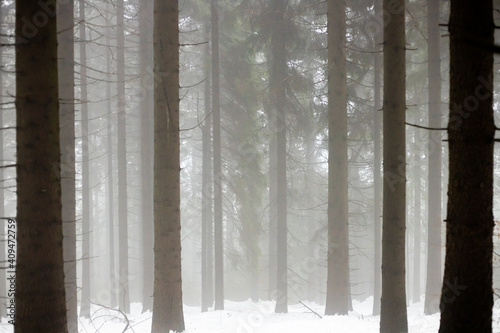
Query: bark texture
{"x":3,"y":253}
{"x":393,"y":318}
{"x":66,"y":70}
{"x":40,"y":295}
{"x":466,"y":295}
{"x":167,"y":296}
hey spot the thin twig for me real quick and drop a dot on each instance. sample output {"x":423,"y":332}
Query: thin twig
{"x":117,"y":310}
{"x":427,"y":128}
{"x":317,"y":314}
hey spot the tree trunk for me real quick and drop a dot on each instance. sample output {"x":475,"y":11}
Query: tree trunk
{"x":218,"y":221}
{"x":310,"y":215}
{"x":273,"y":208}
{"x":167,"y":296}
{"x":337,"y":289}
{"x":40,"y":265}
{"x":3,"y":253}
{"x":85,"y":293}
{"x":145,"y":13}
{"x":278,"y":99}
{"x":207,"y":297}
{"x":393,"y":303}
{"x":377,"y":188}
{"x":66,"y":64}
{"x":467,"y":295}
{"x":417,"y":180}
{"x":434,"y":269}
{"x":124,"y":295}
{"x":113,"y":302}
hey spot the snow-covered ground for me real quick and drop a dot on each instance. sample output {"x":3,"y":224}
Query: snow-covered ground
{"x":248,"y":317}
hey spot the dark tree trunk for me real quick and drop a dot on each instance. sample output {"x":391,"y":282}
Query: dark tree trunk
{"x":466,"y":295}
{"x":393,"y":317}
{"x":3,"y":253}
{"x":337,"y":289}
{"x":146,"y":44}
{"x":66,"y":64}
{"x":123,"y":294}
{"x":218,"y":221}
{"x":85,"y":293}
{"x":167,"y":296}
{"x":434,"y":219}
{"x":40,"y":264}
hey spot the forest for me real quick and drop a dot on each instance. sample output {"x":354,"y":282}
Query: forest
{"x":249,"y":166}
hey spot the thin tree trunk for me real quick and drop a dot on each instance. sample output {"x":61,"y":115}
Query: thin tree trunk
{"x":310,"y":215}
{"x":377,"y":186}
{"x":167,"y":297}
{"x":278,"y":97}
{"x":207,"y":297}
{"x":85,"y":293}
{"x":124,"y":295}
{"x":111,"y":172}
{"x":66,"y":64}
{"x":145,"y":13}
{"x":218,"y":220}
{"x":337,"y":289}
{"x":40,"y":264}
{"x":434,"y":219}
{"x":467,"y":295}
{"x":417,"y":174}
{"x":273,"y":208}
{"x":393,"y":316}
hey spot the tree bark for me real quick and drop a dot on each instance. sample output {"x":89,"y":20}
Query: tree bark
{"x":167,"y":296}
{"x":466,"y":295}
{"x":3,"y":253}
{"x":66,"y":65}
{"x":337,"y":290}
{"x":434,"y":218}
{"x":40,"y":264}
{"x":393,"y":316}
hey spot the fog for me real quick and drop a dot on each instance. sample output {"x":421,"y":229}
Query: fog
{"x":255,"y":120}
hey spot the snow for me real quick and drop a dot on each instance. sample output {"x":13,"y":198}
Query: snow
{"x":249,"y":317}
